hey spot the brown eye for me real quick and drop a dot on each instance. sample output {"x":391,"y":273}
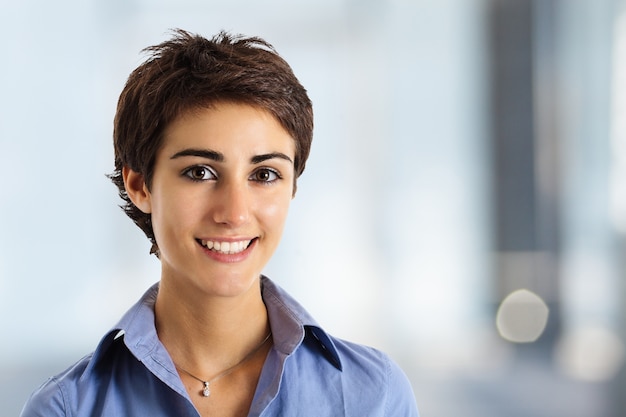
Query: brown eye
{"x":265,"y":175}
{"x":199,"y":173}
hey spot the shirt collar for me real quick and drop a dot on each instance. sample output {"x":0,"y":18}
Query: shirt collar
{"x":138,"y":330}
{"x":289,"y":321}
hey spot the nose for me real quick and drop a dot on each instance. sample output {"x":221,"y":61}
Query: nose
{"x":232,"y":204}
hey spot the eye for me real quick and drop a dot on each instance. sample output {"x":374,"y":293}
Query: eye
{"x":199,"y":173}
{"x":265,"y":175}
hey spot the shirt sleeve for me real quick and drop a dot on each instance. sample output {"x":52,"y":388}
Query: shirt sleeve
{"x":400,"y":401}
{"x":47,"y":401}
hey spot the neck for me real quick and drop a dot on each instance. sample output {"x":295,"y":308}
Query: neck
{"x":208,"y":334}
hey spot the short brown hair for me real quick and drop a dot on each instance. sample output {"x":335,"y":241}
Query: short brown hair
{"x":188,"y":72}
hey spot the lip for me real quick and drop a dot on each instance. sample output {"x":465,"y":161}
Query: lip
{"x":227,"y":239}
{"x":227,"y":257}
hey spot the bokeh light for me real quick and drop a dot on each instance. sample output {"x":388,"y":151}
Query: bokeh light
{"x":522,"y":317}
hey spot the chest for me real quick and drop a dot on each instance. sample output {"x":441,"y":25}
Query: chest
{"x":230,"y":396}
{"x":303,"y":384}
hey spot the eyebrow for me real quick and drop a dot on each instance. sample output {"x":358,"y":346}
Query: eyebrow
{"x":202,"y":153}
{"x":219,"y":157}
{"x":261,"y":158}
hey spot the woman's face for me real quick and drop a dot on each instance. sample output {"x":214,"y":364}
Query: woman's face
{"x":219,"y":197}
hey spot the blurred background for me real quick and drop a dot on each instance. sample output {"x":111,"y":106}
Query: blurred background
{"x":463,"y":208}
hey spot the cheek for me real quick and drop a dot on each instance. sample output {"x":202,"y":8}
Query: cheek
{"x":171,"y":214}
{"x":274,"y":213}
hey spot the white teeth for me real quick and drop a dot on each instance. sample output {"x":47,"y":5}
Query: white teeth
{"x":226,"y":247}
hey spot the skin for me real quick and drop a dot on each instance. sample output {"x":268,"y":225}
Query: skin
{"x":223,"y":174}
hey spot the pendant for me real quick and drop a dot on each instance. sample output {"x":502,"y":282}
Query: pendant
{"x":206,"y":391}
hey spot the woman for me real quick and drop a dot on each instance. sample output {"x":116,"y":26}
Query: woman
{"x":210,"y":137}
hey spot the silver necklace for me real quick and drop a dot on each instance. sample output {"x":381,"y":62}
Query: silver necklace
{"x":206,"y":391}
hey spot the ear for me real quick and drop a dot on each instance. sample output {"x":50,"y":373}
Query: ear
{"x":137,"y":190}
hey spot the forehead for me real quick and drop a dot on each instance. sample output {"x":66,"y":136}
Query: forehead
{"x":228,"y":128}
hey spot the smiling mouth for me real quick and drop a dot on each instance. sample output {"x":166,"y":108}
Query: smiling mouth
{"x":227,"y":248}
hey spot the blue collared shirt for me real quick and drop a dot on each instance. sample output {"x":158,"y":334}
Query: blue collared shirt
{"x":307,"y":373}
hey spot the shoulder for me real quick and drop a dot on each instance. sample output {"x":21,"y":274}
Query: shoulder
{"x":373,"y":363}
{"x":375,"y":371}
{"x":60,"y":394}
{"x":118,"y":360}
{"x":53,"y":397}
{"x":358,"y":378}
